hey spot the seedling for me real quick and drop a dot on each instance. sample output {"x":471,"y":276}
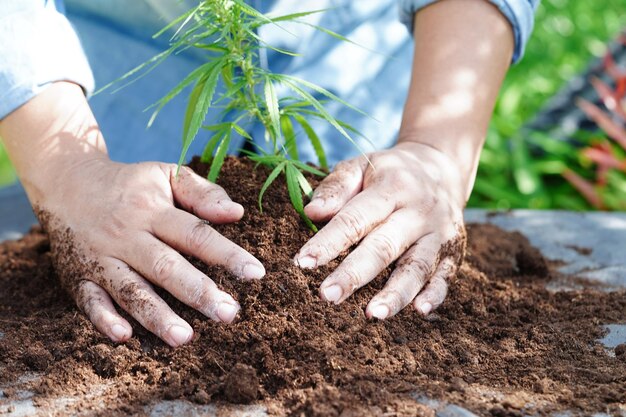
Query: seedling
{"x":226,"y":32}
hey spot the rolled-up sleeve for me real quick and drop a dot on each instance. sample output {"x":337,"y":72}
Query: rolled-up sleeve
{"x":520,"y":13}
{"x":38,"y":46}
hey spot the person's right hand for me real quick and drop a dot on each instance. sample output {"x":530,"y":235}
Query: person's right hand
{"x":116,"y":229}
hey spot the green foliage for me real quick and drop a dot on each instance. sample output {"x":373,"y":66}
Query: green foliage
{"x":225,"y":30}
{"x":567,"y":35}
{"x":7,"y":174}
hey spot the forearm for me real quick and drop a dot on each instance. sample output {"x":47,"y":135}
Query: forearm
{"x":463,"y":49}
{"x":49,"y":136}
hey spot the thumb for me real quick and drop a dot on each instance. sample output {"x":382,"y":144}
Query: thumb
{"x":203,"y":198}
{"x":337,"y":189}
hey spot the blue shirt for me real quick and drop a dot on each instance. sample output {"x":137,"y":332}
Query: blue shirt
{"x":38,"y":46}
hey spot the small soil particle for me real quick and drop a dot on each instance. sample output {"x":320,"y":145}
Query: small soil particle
{"x":500,"y":340}
{"x":620,"y":351}
{"x":241,"y":385}
{"x":37,"y":358}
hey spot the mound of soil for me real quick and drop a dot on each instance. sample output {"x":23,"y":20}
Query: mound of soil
{"x":501,"y":344}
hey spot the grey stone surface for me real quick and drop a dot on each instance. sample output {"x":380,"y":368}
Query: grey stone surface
{"x":181,"y":408}
{"x":451,"y":410}
{"x":560,"y":235}
{"x":616,"y":335}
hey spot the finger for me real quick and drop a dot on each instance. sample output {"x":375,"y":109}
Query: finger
{"x":362,"y":214}
{"x":168,"y":269}
{"x":138,"y":299}
{"x":203,"y":198}
{"x":94,"y":301}
{"x":337,"y":189}
{"x":379,"y":249}
{"x":412,"y":272}
{"x":188,"y":234}
{"x":437,"y":289}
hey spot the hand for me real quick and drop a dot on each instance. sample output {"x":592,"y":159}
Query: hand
{"x":407,"y":205}
{"x":115,"y":230}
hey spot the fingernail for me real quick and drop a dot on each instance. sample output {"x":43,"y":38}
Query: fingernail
{"x":227,"y":206}
{"x":332,"y":293}
{"x":307,"y":262}
{"x":317,"y":202}
{"x":119,"y":332}
{"x":253,"y":271}
{"x":426,"y":308}
{"x":381,"y":312}
{"x":227,"y":312}
{"x":179,"y":334}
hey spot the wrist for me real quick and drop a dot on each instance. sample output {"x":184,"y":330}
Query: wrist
{"x":51,"y":138}
{"x":459,"y":157}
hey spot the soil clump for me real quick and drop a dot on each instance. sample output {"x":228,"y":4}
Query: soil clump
{"x":501,"y":344}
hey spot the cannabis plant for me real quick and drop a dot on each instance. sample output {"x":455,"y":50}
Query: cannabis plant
{"x":231,"y":79}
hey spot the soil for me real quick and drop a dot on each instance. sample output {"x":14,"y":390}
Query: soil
{"x":501,"y":344}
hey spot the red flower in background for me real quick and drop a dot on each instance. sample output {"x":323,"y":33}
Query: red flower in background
{"x":607,"y":154}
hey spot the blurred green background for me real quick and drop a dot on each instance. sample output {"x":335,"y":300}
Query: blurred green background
{"x":568,"y":34}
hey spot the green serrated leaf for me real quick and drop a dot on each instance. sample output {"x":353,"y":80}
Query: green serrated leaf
{"x":337,"y":36}
{"x":304,"y":167}
{"x":304,"y":184}
{"x":324,"y":113}
{"x":241,"y":131}
{"x":293,"y":16}
{"x":263,"y":44}
{"x":198,"y":107}
{"x":314,"y":139}
{"x":270,"y":179}
{"x":291,"y":144}
{"x":293,"y":187}
{"x":191,"y":77}
{"x":207,"y":153}
{"x":176,"y":21}
{"x":220,"y":156}
{"x":146,"y":67}
{"x":271,"y":101}
{"x":324,"y":92}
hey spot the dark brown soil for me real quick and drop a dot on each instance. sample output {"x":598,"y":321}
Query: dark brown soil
{"x":501,"y":344}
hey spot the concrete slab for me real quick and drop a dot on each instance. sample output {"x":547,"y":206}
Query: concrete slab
{"x":590,"y":245}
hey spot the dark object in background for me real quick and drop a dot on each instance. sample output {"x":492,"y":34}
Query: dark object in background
{"x":561,"y":118}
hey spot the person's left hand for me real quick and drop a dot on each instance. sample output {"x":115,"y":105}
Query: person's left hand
{"x":407,"y":205}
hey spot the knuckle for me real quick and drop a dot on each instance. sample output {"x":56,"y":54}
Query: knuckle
{"x":384,"y":248}
{"x":202,"y":298}
{"x":115,"y":227}
{"x":447,"y":268}
{"x":437,"y":290}
{"x":319,"y":251}
{"x":351,"y":280}
{"x":199,"y":237}
{"x":343,"y":166}
{"x":214,"y":193}
{"x":164,"y":269}
{"x":85,"y":299}
{"x":351,"y":223}
{"x":395,"y":299}
{"x":135,"y":297}
{"x":138,"y":201}
{"x":417,"y":266}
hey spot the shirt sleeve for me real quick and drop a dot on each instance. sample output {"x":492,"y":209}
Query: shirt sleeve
{"x":38,"y":46}
{"x":520,"y":13}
